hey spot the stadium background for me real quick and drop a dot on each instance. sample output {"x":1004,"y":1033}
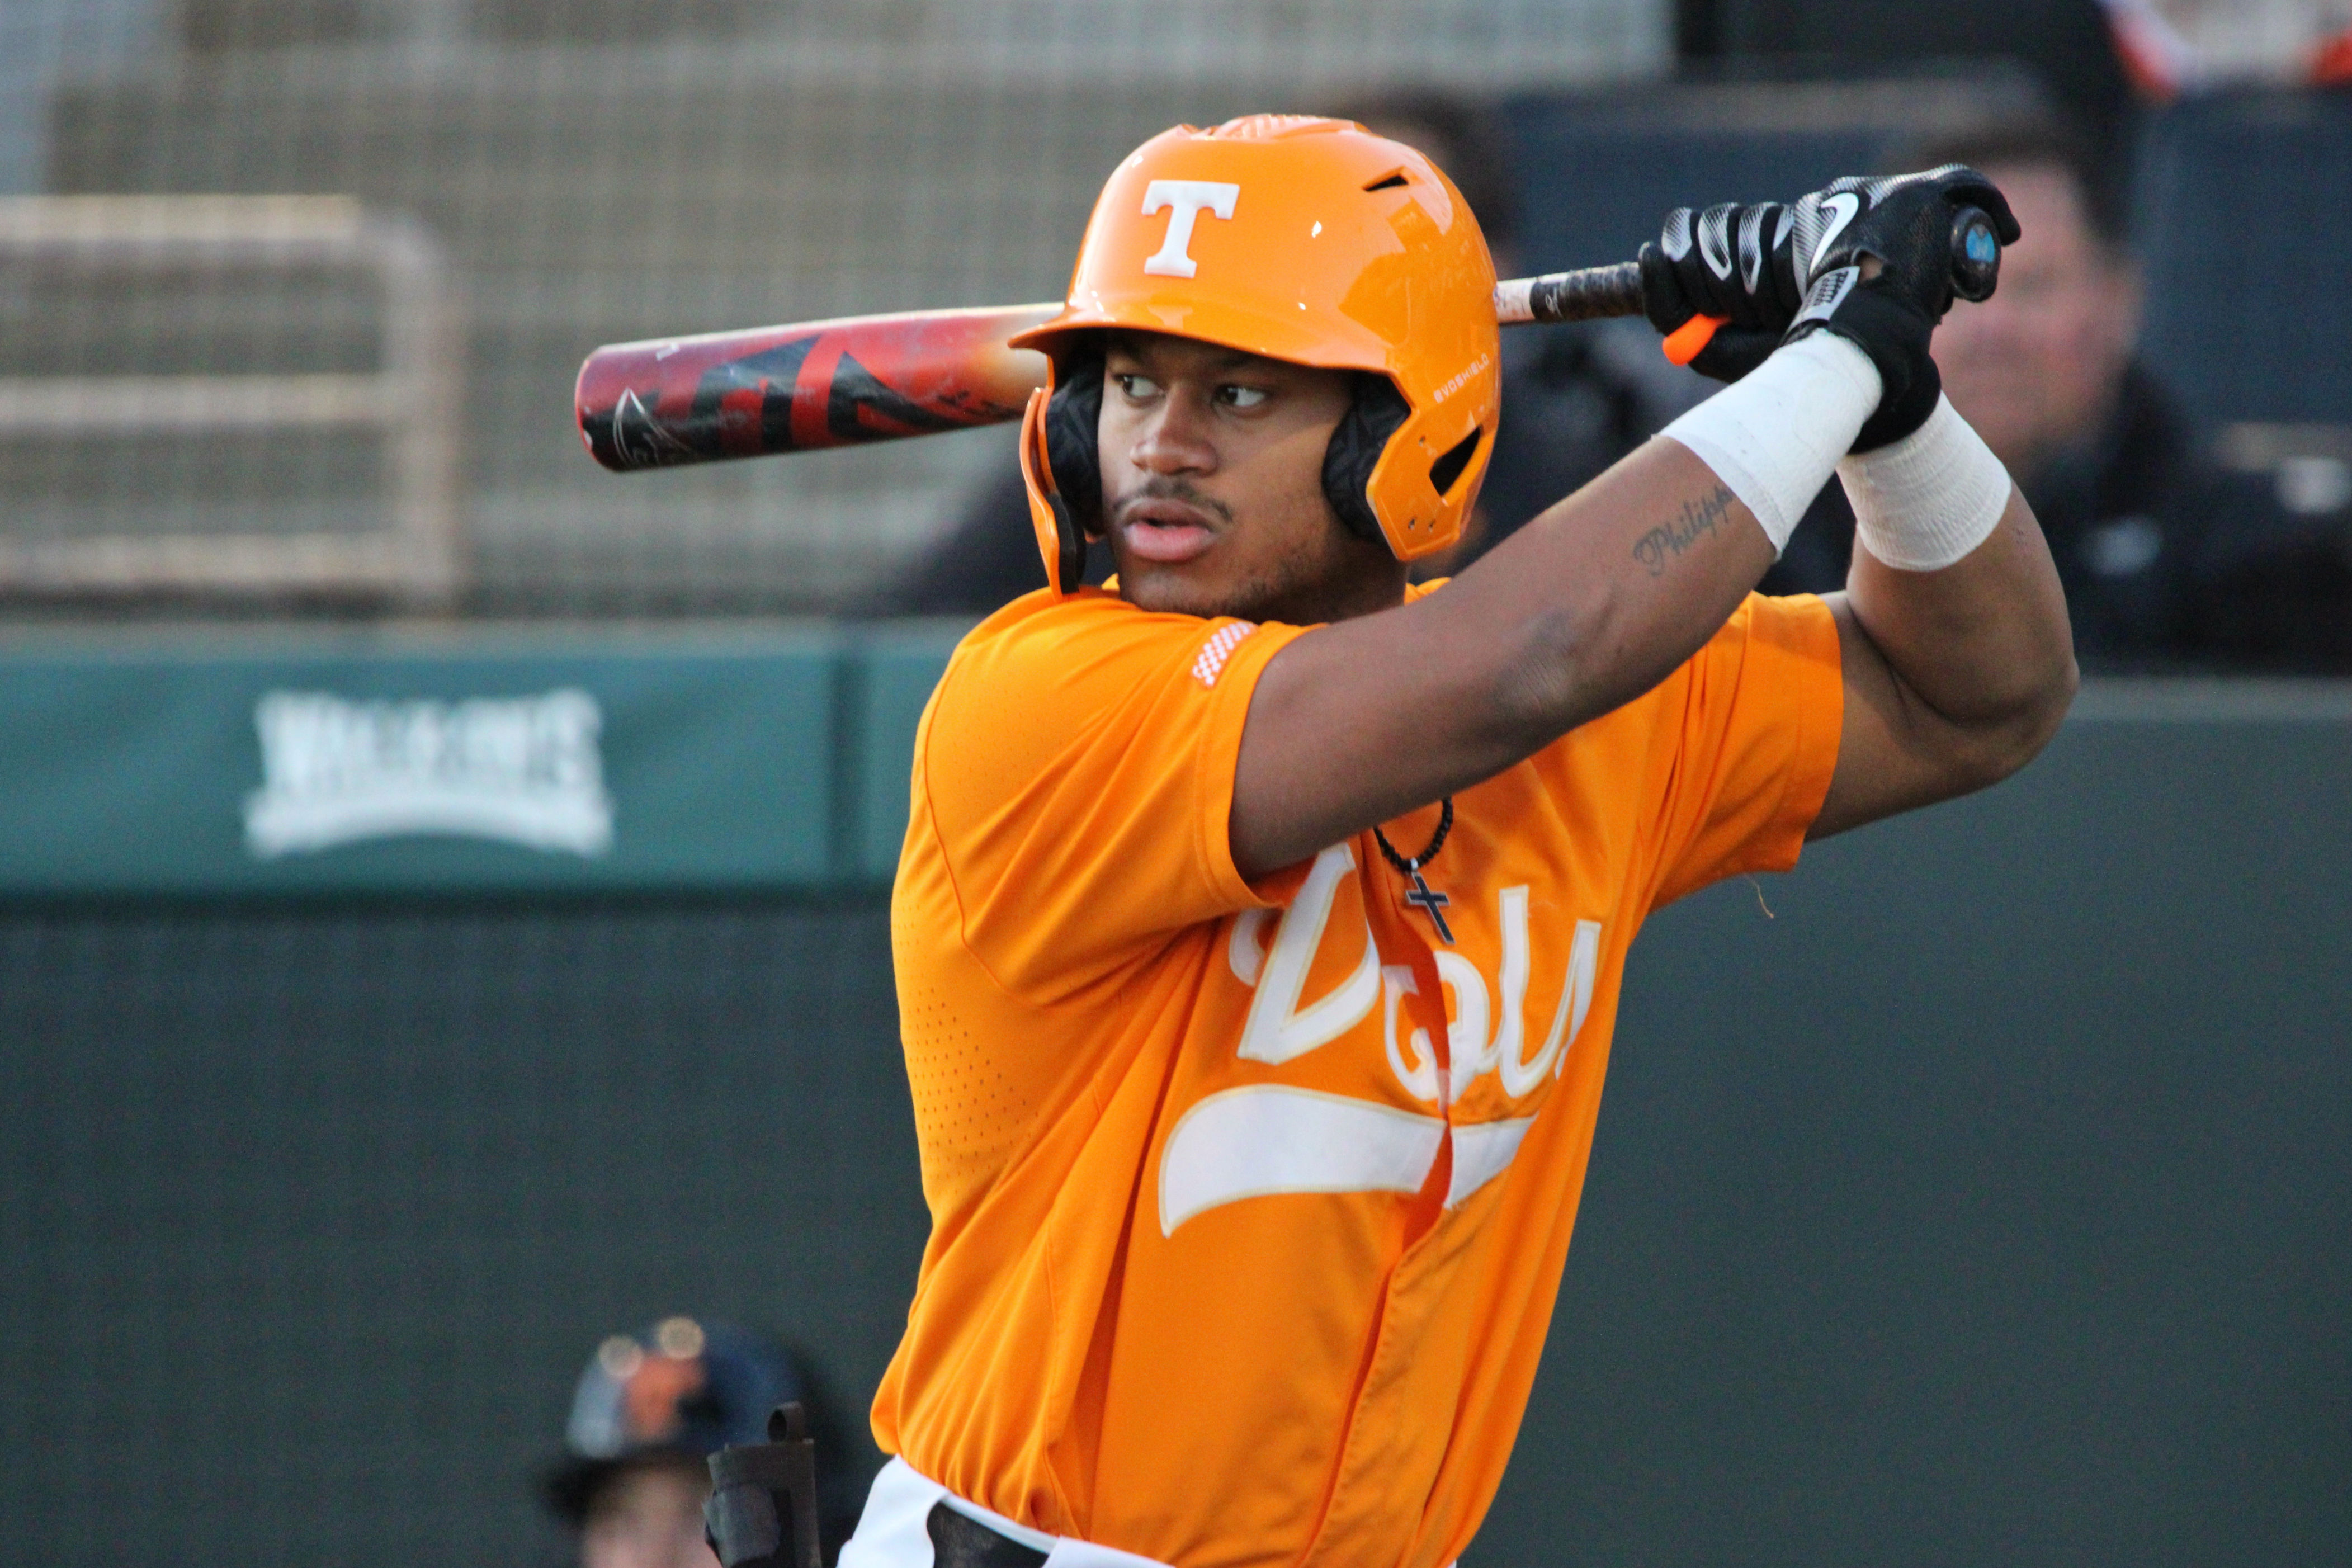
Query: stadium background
{"x":1984,"y":1197}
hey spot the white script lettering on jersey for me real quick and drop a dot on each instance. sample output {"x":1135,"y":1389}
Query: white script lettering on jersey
{"x":1471,"y":1054}
{"x":1267,"y":1139}
{"x":1278,"y":1029}
{"x":1189,"y":198}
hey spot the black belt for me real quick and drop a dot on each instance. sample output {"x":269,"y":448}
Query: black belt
{"x":959,"y":1540}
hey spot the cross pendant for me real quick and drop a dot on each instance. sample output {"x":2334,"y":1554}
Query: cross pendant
{"x":1433,"y":903}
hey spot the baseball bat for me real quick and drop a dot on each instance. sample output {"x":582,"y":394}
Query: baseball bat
{"x":668,"y":401}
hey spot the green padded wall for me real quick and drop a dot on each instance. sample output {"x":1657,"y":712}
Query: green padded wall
{"x":510,"y":762}
{"x":1989,"y":1201}
{"x":310,"y":1217}
{"x":1992,"y":1203}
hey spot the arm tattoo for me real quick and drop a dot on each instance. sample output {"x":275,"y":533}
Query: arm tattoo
{"x":1677,"y":534}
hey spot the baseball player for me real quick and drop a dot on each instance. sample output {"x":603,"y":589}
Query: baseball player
{"x":1260,"y":922}
{"x":647,"y":1411}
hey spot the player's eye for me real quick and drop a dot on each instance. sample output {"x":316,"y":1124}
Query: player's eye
{"x":1242,"y":396}
{"x":1135,"y":386}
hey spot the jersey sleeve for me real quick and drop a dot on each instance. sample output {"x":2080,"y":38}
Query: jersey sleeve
{"x":1746,"y":744}
{"x":1077,"y":769}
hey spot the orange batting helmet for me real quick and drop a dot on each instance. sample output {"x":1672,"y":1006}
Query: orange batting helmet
{"x":1301,"y":240}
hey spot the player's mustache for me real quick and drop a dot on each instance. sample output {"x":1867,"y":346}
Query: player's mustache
{"x":1167,"y":487}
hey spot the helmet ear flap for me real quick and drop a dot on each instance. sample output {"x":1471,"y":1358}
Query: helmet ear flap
{"x":1073,"y":419}
{"x":1377,"y":414}
{"x":1061,"y":470}
{"x":1060,"y":543}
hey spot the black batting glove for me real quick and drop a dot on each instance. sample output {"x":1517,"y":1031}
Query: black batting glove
{"x":1731,"y":261}
{"x":1905,"y":221}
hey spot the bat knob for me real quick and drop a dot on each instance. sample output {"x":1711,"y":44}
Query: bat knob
{"x":1976,"y":255}
{"x":1685,"y":342}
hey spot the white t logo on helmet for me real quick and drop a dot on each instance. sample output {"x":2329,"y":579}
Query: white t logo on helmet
{"x":1189,"y":198}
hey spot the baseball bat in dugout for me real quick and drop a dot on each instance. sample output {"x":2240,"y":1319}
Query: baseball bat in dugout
{"x":669,"y":402}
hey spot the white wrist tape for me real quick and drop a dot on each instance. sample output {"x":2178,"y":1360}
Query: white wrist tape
{"x":1923,"y":502}
{"x":1775,"y":437}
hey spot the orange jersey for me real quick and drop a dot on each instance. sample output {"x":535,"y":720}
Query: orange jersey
{"x":1250,"y":1200}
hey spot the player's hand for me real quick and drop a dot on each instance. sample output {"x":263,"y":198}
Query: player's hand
{"x":1730,"y":261}
{"x":1905,"y":222}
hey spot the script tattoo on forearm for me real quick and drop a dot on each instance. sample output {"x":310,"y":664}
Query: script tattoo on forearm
{"x":1677,"y":534}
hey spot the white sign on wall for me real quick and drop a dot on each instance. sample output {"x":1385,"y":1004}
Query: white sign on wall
{"x":523,"y":770}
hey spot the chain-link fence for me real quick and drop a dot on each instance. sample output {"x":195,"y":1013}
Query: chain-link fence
{"x":384,"y":413}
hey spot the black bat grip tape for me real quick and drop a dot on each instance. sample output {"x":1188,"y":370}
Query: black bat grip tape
{"x":1586,"y":293}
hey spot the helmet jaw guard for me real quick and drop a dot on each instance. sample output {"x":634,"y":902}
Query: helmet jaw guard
{"x":1060,"y":540}
{"x":1307,"y":240}
{"x":1422,"y":491}
{"x":1059,"y":468}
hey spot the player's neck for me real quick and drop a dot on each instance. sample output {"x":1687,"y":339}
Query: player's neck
{"x":1340,"y":595}
{"x":1363,"y":596}
{"x":1307,"y":605}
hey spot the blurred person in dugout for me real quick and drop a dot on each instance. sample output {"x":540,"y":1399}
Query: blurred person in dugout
{"x":2165,"y":560}
{"x":649,"y":1411}
{"x":1576,"y":398}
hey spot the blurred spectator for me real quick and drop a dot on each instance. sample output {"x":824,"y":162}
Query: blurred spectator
{"x":2067,"y":45}
{"x":2160,"y":550}
{"x":2173,"y":46}
{"x":1575,"y":398}
{"x":650,"y":1410}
